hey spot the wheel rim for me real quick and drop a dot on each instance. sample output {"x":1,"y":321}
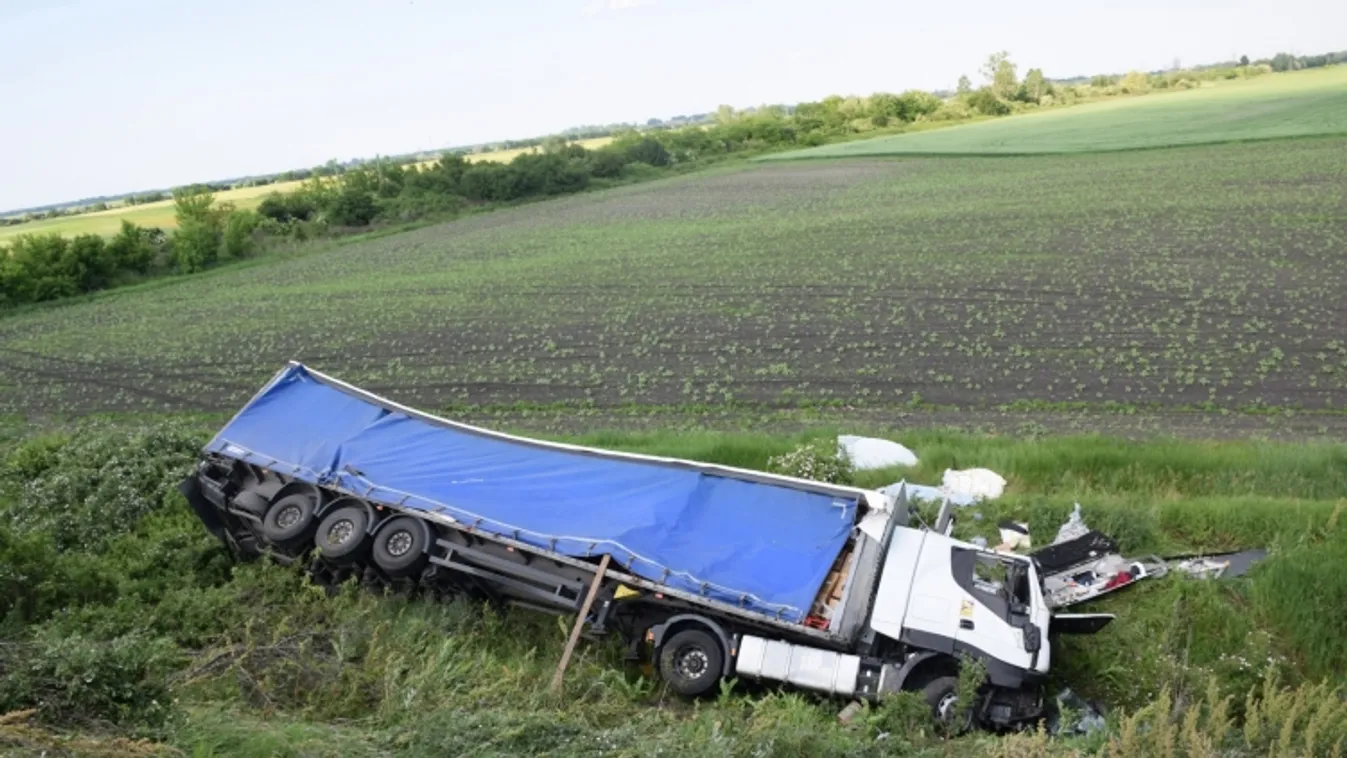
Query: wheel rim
{"x":400,"y":543}
{"x":691,"y":662}
{"x":946,"y":709}
{"x":289,"y":516}
{"x":341,"y":532}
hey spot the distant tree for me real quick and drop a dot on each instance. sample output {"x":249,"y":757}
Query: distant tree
{"x":884,"y":105}
{"x":1035,"y":86}
{"x":352,"y":207}
{"x":607,"y":163}
{"x":649,"y":150}
{"x":1135,"y":82}
{"x":964,"y":87}
{"x":38,"y":268}
{"x":196,"y":246}
{"x":915,"y":103}
{"x":131,"y":249}
{"x":488,"y":181}
{"x":724,"y":115}
{"x":1285,"y":62}
{"x":986,"y":102}
{"x":999,"y":73}
{"x":196,"y":242}
{"x":1244,"y":60}
{"x":237,"y":239}
{"x":193,"y":203}
{"x":88,"y":263}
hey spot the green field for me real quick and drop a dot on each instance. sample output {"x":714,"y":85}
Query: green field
{"x":1304,"y":103}
{"x":1201,"y":279}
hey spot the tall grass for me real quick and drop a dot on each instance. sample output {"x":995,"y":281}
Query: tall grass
{"x":204,"y":659}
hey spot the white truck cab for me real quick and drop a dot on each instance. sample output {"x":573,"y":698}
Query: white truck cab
{"x":936,"y":602}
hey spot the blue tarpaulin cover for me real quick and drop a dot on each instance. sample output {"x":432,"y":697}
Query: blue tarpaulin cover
{"x":752,"y":540}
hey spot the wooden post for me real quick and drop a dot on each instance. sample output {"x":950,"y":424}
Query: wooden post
{"x":579,"y":623}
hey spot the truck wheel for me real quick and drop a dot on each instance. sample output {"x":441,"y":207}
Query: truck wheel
{"x":290,"y":520}
{"x":400,"y":546}
{"x":942,"y":695}
{"x":691,"y":662}
{"x":343,"y":534}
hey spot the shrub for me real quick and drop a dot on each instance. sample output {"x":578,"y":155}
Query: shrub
{"x":818,"y":460}
{"x":986,"y":102}
{"x":238,"y":240}
{"x":352,"y":207}
{"x":292,"y":206}
{"x":489,"y":182}
{"x":84,"y":489}
{"x":196,"y":245}
{"x":131,"y":250}
{"x":36,"y":580}
{"x":650,"y":151}
{"x":74,"y":680}
{"x":954,"y":110}
{"x":607,"y":163}
{"x":413,"y":203}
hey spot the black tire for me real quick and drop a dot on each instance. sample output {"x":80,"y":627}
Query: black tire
{"x":400,"y":546}
{"x":343,"y":535}
{"x":942,"y":695}
{"x":691,"y":662}
{"x":290,"y":521}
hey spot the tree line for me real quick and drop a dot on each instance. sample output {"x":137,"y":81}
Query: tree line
{"x":40,"y":267}
{"x":335,"y":199}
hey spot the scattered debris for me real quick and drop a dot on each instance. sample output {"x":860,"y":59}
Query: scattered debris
{"x":1219,"y":566}
{"x":867,"y":453}
{"x":1014,"y":535}
{"x":1073,"y":528}
{"x":1088,"y":566}
{"x":1202,"y":568}
{"x":961,"y":488}
{"x":850,"y":712}
{"x":1074,"y":715}
{"x":979,"y":541}
{"x":925,"y":493}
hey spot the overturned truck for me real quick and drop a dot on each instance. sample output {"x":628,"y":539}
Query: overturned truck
{"x":711,"y":571}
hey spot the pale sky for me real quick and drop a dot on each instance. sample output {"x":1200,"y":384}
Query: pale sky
{"x":103,"y":97}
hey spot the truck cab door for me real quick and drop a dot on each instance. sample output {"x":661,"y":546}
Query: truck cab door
{"x":995,"y":611}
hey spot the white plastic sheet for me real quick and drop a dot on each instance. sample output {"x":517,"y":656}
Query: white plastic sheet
{"x":977,"y":483}
{"x":961,"y":488}
{"x":867,"y":453}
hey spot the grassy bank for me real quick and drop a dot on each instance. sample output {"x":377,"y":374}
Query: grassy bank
{"x":124,"y":621}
